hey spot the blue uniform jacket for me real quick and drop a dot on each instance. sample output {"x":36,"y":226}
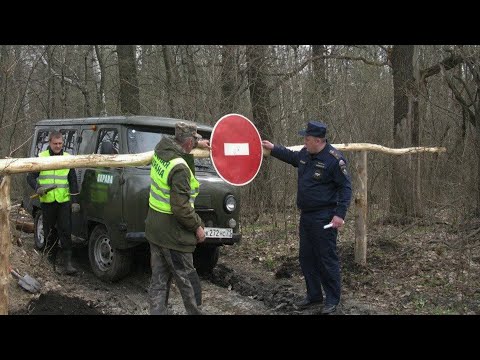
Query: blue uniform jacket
{"x":323,"y":180}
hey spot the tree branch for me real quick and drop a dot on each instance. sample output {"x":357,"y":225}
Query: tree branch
{"x":447,"y":64}
{"x":461,"y":100}
{"x":283,"y":77}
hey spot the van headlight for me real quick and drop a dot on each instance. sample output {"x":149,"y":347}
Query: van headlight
{"x":230,"y":203}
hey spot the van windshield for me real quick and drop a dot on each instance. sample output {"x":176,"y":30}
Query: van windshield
{"x":141,"y":140}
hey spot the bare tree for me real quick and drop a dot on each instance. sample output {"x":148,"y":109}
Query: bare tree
{"x":278,"y":87}
{"x":402,"y":192}
{"x":49,"y":55}
{"x":229,"y":83}
{"x":466,"y":89}
{"x":321,"y":84}
{"x":257,"y":63}
{"x":99,"y":76}
{"x":169,"y":82}
{"x":192,"y":82}
{"x":127,"y":73}
{"x":69,"y":75}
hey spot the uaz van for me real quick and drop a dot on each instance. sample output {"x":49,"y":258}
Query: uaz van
{"x":114,"y":201}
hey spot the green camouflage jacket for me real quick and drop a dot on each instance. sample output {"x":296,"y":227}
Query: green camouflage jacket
{"x":176,"y":231}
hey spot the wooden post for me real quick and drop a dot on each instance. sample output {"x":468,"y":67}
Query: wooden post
{"x":361,"y":210}
{"x":5,"y":243}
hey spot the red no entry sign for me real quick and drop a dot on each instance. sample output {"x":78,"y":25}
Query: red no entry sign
{"x":236,"y":149}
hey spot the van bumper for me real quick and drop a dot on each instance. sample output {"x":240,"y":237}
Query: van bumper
{"x":224,"y":241}
{"x":139,"y":237}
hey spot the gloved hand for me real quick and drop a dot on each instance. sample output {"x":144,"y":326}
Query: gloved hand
{"x":75,"y":208}
{"x":41,"y":190}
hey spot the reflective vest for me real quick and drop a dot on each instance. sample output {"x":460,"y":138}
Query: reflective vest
{"x":58,"y":177}
{"x":159,"y":199}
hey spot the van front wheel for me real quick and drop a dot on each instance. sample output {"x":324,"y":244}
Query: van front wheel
{"x":107,"y":263}
{"x":39,"y":239}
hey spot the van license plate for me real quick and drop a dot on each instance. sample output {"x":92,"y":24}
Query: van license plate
{"x":218,"y":232}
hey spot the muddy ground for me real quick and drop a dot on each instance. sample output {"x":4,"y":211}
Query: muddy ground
{"x":411,"y":269}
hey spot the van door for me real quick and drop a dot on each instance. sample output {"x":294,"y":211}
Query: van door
{"x":86,"y":145}
{"x":137,"y":179}
{"x":101,"y":187}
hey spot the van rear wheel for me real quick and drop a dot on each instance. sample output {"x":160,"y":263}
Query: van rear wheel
{"x":107,"y":263}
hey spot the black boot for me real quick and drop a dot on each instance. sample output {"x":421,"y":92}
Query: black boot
{"x":69,"y":269}
{"x":51,"y":253}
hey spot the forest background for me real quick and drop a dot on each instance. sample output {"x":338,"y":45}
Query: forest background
{"x":396,"y":96}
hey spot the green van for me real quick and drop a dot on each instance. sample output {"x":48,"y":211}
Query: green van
{"x":114,"y":201}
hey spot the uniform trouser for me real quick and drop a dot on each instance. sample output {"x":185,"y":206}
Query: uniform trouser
{"x":58,"y":214}
{"x":167,"y":265}
{"x":318,"y":257}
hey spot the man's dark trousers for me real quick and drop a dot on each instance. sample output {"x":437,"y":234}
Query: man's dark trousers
{"x":55,"y":213}
{"x":318,"y":257}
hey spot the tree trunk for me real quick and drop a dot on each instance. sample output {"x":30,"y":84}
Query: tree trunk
{"x":84,"y":87}
{"x":20,"y":130}
{"x":5,"y":242}
{"x":63,"y":84}
{"x":477,"y":132}
{"x":402,"y":192}
{"x":416,"y":122}
{"x":321,"y":85}
{"x":127,"y":71}
{"x":260,"y":102}
{"x":229,"y":96}
{"x":168,"y":61}
{"x":193,"y":85}
{"x":4,"y":92}
{"x":99,"y":75}
{"x":50,"y":83}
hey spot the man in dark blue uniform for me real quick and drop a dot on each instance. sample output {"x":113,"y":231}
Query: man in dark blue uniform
{"x":323,"y":196}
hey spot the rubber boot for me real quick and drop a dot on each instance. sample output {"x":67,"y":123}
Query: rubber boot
{"x":69,"y":269}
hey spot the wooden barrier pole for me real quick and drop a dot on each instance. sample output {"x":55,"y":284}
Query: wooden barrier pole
{"x":5,"y":243}
{"x":361,"y":206}
{"x":22,"y":165}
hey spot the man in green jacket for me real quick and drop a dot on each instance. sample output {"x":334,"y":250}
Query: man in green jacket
{"x":172,"y":227}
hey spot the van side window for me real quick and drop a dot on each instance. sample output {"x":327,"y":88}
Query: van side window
{"x":107,"y":142}
{"x":88,"y":142}
{"x":69,"y":141}
{"x":42,"y":142}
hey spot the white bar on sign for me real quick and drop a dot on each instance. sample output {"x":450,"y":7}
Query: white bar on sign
{"x":232,"y":149}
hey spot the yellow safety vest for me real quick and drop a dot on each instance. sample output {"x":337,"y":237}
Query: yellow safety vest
{"x":159,"y":199}
{"x":58,"y":177}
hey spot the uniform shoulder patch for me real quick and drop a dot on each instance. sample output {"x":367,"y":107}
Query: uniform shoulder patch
{"x":341,"y":162}
{"x":335,"y":154}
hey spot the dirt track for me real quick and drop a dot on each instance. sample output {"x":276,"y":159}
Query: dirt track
{"x":429,"y":269}
{"x":226,"y":291}
{"x":84,"y":294}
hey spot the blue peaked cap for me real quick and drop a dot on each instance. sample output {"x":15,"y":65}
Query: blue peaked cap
{"x":314,"y":128}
